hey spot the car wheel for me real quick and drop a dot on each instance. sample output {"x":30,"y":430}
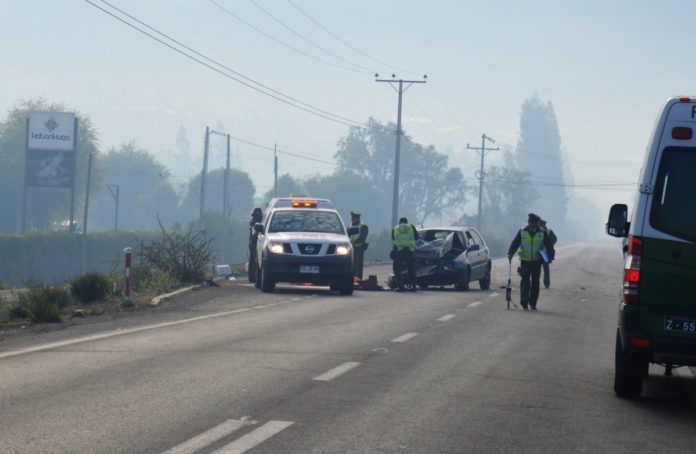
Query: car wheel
{"x":267,"y":281}
{"x":463,"y":280}
{"x":485,"y":283}
{"x":346,"y":287}
{"x":628,"y":373}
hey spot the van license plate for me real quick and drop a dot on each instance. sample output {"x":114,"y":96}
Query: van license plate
{"x":680,"y":324}
{"x":309,"y":269}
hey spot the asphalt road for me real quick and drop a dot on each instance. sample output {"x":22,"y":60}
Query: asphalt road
{"x":306,"y":371}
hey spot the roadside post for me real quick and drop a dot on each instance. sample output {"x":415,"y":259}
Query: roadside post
{"x":126,"y":288}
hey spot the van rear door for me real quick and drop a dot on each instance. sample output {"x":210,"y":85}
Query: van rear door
{"x":668,"y":262}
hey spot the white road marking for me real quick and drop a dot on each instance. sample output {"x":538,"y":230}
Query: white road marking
{"x":254,"y":437}
{"x":445,"y":318}
{"x":122,"y":331}
{"x":209,"y":437}
{"x":493,"y":295}
{"x":404,"y":338}
{"x":336,"y":371}
{"x":475,"y":303}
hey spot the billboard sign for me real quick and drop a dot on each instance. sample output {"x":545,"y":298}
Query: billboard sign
{"x":51,"y":131}
{"x":50,"y":168}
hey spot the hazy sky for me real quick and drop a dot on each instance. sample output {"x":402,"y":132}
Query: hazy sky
{"x":607,"y":66}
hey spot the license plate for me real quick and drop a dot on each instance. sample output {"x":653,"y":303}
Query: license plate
{"x":680,"y":324}
{"x":309,"y":269}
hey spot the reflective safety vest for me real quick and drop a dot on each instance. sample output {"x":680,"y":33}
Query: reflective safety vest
{"x":355,"y":235}
{"x":405,"y":237}
{"x":531,"y":245}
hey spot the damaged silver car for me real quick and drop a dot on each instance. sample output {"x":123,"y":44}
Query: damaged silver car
{"x":451,"y":256}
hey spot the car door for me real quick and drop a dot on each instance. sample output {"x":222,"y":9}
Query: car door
{"x":473,"y":254}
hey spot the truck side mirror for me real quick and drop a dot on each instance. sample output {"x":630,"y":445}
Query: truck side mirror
{"x":258,"y":228}
{"x":618,"y":224}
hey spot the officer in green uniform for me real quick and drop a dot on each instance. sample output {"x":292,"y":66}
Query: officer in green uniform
{"x":531,"y":243}
{"x":357,"y":232}
{"x":404,"y":236}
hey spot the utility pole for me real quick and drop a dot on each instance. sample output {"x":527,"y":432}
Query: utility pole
{"x":397,"y":152}
{"x":115,"y":195}
{"x":204,"y":173}
{"x":483,"y":151}
{"x":275,"y":170}
{"x":226,"y":203}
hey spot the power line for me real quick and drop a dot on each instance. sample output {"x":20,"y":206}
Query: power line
{"x":278,"y":96}
{"x":347,"y":43}
{"x":307,"y":40}
{"x":282,"y":43}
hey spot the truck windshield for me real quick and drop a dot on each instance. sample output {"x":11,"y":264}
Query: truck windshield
{"x":675,"y":192}
{"x":306,"y":221}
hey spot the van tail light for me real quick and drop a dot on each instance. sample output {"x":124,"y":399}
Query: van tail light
{"x":682,"y":133}
{"x":631,"y":285}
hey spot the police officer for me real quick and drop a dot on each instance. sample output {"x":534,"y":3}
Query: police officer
{"x":357,"y":232}
{"x":256,"y":217}
{"x":404,"y":236}
{"x":545,"y":265}
{"x":531,"y":243}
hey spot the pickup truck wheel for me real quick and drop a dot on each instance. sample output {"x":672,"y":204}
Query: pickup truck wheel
{"x":463,"y":280}
{"x":267,"y":281}
{"x":628,"y":378}
{"x":346,"y":287}
{"x":485,"y":283}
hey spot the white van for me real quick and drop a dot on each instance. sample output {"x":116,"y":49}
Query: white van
{"x":657,"y":312}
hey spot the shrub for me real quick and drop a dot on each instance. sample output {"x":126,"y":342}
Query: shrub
{"x":18,"y":312}
{"x":159,"y":282}
{"x":90,"y":287}
{"x":44,"y":303}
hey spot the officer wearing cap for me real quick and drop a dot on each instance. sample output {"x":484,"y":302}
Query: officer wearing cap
{"x":357,"y":232}
{"x":532,"y":244}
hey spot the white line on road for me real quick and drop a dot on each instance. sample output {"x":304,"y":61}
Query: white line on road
{"x":475,"y":303}
{"x":209,"y":437}
{"x":122,"y":331}
{"x":254,"y":437}
{"x":445,"y":318}
{"x":336,"y":371}
{"x":493,"y":295}
{"x":404,"y":338}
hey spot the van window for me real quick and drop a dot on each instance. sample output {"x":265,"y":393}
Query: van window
{"x":675,"y":192}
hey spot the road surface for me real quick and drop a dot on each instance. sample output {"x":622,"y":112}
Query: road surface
{"x":303,"y":370}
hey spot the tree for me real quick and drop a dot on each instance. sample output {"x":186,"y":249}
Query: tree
{"x":286,"y":185}
{"x":145,"y":190}
{"x":241,"y":189}
{"x":46,"y":206}
{"x":427,"y":184}
{"x":507,"y":199}
{"x":539,"y":153}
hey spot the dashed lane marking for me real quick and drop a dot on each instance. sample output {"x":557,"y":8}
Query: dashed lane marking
{"x":254,"y":437}
{"x":404,"y":338}
{"x":122,"y":332}
{"x":336,"y":371}
{"x":209,"y":437}
{"x":445,"y":318}
{"x":475,"y":303}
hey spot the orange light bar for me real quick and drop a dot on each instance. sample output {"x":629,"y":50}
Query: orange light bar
{"x":304,"y":203}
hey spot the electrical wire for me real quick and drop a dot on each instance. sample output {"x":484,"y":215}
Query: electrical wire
{"x":279,"y":96}
{"x":364,"y":54}
{"x":307,"y":40}
{"x":282,"y":43}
